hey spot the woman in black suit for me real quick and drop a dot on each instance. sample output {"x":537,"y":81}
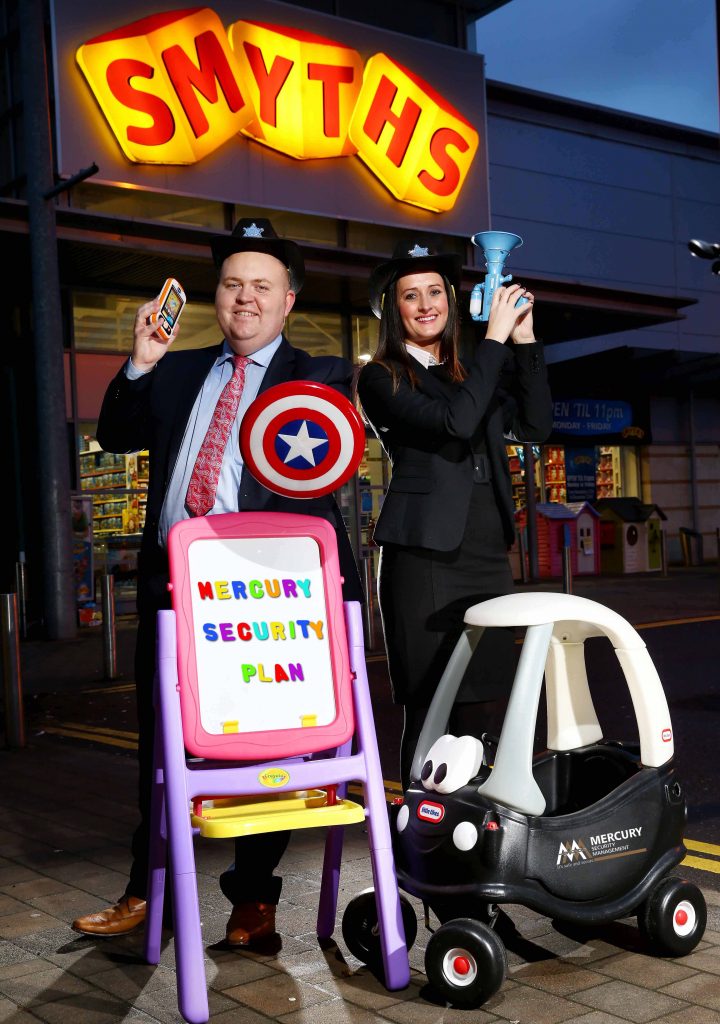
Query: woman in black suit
{"x":447,"y":518}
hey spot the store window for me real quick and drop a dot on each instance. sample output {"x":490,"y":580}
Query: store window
{"x":382,"y":240}
{"x":111,"y":506}
{"x":365,"y":331}
{"x":104,"y":323}
{"x":569,"y":474}
{"x":298,"y":226}
{"x":318,"y":333}
{"x":116,"y":201}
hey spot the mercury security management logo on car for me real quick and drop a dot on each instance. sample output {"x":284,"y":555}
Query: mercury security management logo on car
{"x":609,"y":845}
{"x":572,"y":851}
{"x":620,"y":843}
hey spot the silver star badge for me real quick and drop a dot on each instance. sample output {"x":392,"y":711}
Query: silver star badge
{"x":253,"y":231}
{"x":418,"y":250}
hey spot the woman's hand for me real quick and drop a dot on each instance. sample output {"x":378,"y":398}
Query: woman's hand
{"x":505,"y":320}
{"x":522,"y":333}
{"x":148,"y":346}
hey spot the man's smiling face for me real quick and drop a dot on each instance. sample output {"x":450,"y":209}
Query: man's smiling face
{"x":252,"y":299}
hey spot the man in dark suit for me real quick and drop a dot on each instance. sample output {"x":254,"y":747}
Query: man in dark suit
{"x":173,"y":404}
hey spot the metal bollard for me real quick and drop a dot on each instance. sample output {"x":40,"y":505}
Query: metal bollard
{"x":523,"y":557}
{"x":108,"y":626}
{"x":21,"y":591}
{"x":369,"y":607}
{"x":12,"y":678}
{"x":566,"y":562}
{"x":663,"y":553}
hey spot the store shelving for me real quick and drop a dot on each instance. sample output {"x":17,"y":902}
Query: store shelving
{"x":517,"y":476}
{"x":118,"y":484}
{"x":554,"y":473}
{"x":608,"y":474}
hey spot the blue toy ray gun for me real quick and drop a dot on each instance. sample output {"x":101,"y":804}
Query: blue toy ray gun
{"x":496,"y":246}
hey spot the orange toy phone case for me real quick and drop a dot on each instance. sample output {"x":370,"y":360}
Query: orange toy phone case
{"x":172,"y":302}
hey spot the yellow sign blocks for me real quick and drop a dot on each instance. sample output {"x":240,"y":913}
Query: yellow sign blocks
{"x":416,"y":143}
{"x":174,"y":88}
{"x":302,"y":86}
{"x":168,"y":85}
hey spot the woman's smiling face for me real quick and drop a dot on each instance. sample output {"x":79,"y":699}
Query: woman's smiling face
{"x":423,"y":304}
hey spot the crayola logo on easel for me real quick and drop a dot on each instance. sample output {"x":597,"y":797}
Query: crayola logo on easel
{"x":175,"y":86}
{"x":274,"y":778}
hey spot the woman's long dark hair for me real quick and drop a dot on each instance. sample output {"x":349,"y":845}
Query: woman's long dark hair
{"x":391,"y":351}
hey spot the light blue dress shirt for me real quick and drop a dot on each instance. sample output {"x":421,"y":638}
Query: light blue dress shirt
{"x":226,"y":498}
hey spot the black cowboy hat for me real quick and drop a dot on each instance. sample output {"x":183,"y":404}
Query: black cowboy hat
{"x":412,"y":257}
{"x":258,"y":235}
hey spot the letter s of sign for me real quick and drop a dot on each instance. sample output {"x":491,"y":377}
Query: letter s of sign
{"x":162,"y":129}
{"x":450,"y":179}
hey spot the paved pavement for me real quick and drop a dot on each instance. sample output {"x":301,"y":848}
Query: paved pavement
{"x":68,"y":810}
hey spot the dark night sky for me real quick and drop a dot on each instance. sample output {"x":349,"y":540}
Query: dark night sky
{"x":657,"y":58}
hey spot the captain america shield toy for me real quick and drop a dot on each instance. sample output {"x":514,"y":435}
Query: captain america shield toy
{"x":302,"y":439}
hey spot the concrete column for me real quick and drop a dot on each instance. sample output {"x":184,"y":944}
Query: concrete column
{"x":52,"y":449}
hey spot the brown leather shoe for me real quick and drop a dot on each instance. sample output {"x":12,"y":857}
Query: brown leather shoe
{"x":123,"y":917}
{"x":250,"y":922}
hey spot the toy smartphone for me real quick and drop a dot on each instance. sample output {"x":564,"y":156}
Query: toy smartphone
{"x":172,"y":300}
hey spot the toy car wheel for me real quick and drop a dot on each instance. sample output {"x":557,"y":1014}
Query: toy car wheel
{"x":361,"y":930}
{"x":673,"y":917}
{"x":465,"y":962}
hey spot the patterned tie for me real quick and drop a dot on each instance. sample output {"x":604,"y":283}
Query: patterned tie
{"x":206,"y":472}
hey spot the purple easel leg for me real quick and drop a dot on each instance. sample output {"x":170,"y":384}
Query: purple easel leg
{"x":392,"y":931}
{"x":327,"y":907}
{"x":191,"y":981}
{"x":157,"y":856}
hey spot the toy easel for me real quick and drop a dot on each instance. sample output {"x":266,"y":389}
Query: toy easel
{"x":214,"y":700}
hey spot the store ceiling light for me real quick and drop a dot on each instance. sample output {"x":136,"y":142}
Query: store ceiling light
{"x":704,"y":250}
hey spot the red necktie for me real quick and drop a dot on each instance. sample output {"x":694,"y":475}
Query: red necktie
{"x":206,"y":472}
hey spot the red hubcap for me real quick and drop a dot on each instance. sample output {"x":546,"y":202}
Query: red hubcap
{"x":681,"y":917}
{"x":461,"y":965}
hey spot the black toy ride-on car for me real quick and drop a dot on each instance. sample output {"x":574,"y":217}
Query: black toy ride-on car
{"x":586,"y":832}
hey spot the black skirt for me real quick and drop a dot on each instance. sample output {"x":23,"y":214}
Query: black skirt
{"x":423,"y":597}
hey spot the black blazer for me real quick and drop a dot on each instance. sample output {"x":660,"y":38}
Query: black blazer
{"x":152,"y":413}
{"x":431,"y":431}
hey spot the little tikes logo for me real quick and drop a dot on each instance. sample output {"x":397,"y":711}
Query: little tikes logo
{"x":175,"y":86}
{"x":429,"y":811}
{"x":666,"y":735}
{"x":274,"y":778}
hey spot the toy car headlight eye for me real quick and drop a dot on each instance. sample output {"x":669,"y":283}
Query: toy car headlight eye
{"x":427,"y":770}
{"x":440,"y":773}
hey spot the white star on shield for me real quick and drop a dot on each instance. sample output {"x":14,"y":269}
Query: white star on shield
{"x":253,"y":231}
{"x":301,"y":444}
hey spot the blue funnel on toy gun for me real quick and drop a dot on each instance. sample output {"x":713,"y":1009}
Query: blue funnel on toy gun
{"x":496,"y":247}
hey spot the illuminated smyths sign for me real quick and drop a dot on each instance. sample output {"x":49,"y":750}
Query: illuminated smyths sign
{"x":181,"y":89}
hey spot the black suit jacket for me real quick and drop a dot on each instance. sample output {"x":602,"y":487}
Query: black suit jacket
{"x":431,"y":431}
{"x":152,"y":413}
